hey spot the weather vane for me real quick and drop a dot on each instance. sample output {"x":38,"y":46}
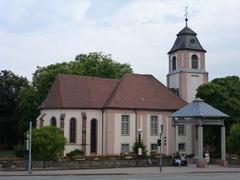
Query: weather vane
{"x":186,"y":15}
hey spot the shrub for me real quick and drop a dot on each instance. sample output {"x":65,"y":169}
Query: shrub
{"x":75,"y":153}
{"x":47,"y":143}
{"x":20,"y":150}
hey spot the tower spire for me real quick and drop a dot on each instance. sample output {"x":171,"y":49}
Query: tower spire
{"x":186,"y":15}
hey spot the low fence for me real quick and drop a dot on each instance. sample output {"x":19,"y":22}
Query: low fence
{"x":19,"y":165}
{"x":81,"y":164}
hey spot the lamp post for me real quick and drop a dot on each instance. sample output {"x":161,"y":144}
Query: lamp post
{"x":139,"y":149}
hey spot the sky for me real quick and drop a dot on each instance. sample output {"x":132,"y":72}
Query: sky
{"x":139,"y":32}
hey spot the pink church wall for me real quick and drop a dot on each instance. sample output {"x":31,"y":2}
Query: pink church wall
{"x":142,"y":121}
{"x":109,"y":132}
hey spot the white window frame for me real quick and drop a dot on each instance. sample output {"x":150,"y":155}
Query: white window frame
{"x":182,"y":149}
{"x":125,"y":125}
{"x":154,"y":129}
{"x":155,"y":145}
{"x":124,"y":149}
{"x":181,"y":130}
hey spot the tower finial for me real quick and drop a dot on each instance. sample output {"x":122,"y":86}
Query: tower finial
{"x":186,"y":15}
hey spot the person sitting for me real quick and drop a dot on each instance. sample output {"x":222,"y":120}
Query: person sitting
{"x":177,"y":160}
{"x":207,"y":157}
{"x":183,"y":160}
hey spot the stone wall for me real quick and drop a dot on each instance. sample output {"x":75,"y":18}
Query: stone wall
{"x":80,"y":164}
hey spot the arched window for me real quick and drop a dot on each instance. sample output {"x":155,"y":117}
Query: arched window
{"x":93,"y":136}
{"x":194,"y":62}
{"x":53,"y":121}
{"x":72,"y":130}
{"x":174,"y":63}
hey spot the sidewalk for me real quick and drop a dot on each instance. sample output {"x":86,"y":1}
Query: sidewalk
{"x":125,"y":171}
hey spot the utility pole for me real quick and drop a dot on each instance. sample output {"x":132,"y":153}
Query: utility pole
{"x":30,"y":149}
{"x":160,"y":149}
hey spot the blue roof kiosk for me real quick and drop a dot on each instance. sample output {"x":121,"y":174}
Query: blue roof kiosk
{"x":200,"y":113}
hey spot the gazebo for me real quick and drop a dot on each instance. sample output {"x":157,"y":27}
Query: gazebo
{"x":199,"y":113}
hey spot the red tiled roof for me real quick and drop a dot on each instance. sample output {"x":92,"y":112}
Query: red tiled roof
{"x":72,"y":91}
{"x":143,"y":92}
{"x":133,"y":91}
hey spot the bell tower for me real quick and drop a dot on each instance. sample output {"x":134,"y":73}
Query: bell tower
{"x":186,"y":73}
{"x":186,"y":64}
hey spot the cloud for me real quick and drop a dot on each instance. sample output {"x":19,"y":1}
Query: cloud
{"x":136,"y":32}
{"x":27,"y":16}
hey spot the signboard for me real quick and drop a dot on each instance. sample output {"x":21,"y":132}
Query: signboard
{"x":140,"y":151}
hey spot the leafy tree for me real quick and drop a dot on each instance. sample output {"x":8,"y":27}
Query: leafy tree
{"x":10,"y":87}
{"x":29,"y":108}
{"x":47,"y":143}
{"x":233,"y":140}
{"x":92,"y":64}
{"x":223,"y":94}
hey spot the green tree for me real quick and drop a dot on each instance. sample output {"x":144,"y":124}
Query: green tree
{"x":10,"y":87}
{"x":233,"y":140}
{"x":223,"y":94}
{"x":47,"y":143}
{"x":92,"y":64}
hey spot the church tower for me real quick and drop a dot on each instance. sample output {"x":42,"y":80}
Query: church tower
{"x":186,"y":73}
{"x":186,"y":64}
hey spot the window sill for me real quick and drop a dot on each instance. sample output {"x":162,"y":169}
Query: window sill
{"x":154,"y":135}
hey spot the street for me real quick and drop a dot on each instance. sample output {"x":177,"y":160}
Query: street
{"x":182,"y":176}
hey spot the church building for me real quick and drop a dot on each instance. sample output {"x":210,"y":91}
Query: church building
{"x":106,"y":116}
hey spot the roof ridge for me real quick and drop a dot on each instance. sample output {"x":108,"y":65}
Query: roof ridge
{"x":82,"y":76}
{"x":113,"y":92}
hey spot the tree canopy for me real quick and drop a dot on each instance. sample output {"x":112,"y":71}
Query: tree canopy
{"x":223,"y":94}
{"x":10,"y":87}
{"x":92,"y":64}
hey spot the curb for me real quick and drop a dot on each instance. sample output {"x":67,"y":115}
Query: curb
{"x":118,"y":174}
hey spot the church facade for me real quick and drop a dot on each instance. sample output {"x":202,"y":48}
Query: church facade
{"x":106,"y":116}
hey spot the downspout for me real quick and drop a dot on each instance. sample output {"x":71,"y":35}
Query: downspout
{"x":102,"y":129}
{"x":136,"y":124}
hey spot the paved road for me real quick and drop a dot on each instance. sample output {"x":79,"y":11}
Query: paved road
{"x":181,"y":176}
{"x":151,"y":173}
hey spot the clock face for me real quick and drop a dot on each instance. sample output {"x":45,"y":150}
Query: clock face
{"x":192,"y":41}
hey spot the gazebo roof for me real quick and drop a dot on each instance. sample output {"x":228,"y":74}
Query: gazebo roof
{"x":198,"y":109}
